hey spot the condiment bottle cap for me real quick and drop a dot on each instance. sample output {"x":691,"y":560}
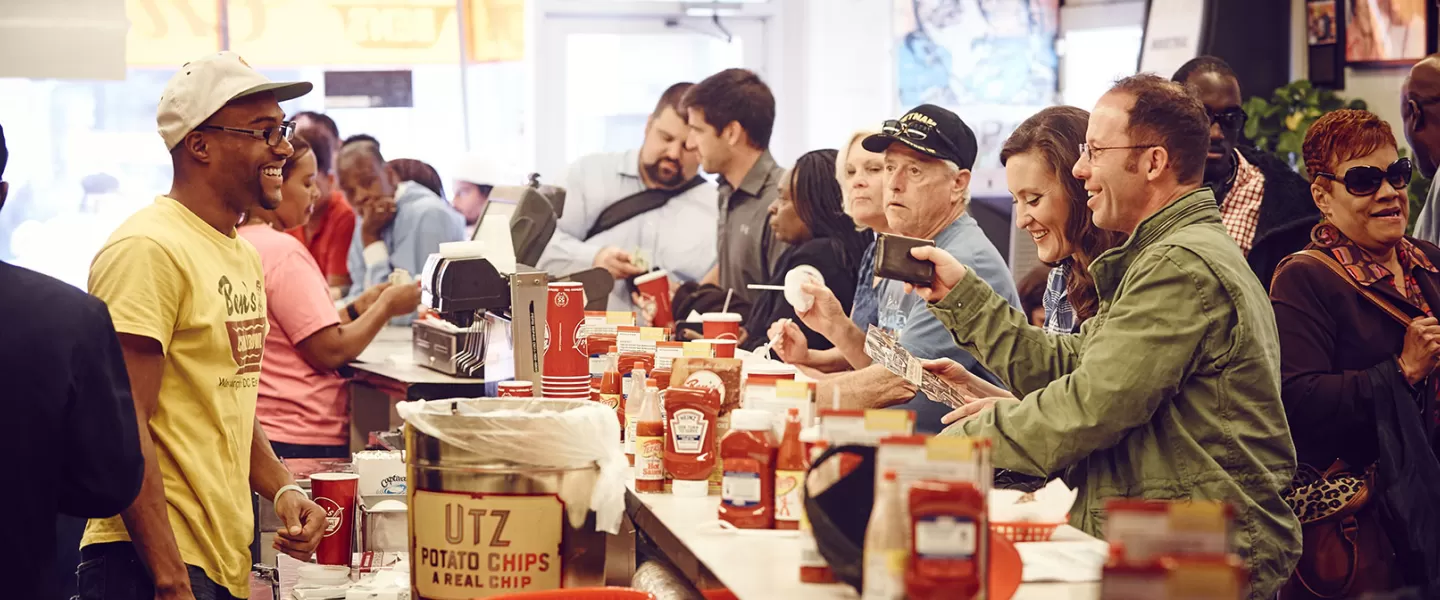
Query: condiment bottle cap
{"x":614,"y":348}
{"x":639,"y":364}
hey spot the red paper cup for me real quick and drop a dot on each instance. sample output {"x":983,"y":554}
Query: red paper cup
{"x":515,"y":389}
{"x":563,"y":319}
{"x":655,"y":288}
{"x":335,"y":493}
{"x":723,"y":348}
{"x":721,"y":326}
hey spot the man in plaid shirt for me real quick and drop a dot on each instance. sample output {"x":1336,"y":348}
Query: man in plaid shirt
{"x":1265,"y":205}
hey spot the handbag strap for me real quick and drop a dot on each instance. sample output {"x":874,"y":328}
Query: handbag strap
{"x":1367,"y":293}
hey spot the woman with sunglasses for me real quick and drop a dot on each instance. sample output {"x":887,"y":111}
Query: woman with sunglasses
{"x":1359,"y":344}
{"x":304,"y":403}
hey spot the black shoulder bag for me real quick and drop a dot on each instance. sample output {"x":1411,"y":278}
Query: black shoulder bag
{"x":637,"y":204}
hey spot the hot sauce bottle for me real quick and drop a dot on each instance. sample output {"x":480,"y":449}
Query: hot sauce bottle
{"x":612,"y":394}
{"x":633,"y":393}
{"x":690,"y":415}
{"x":790,"y":465}
{"x":649,"y":443}
{"x":747,"y":496}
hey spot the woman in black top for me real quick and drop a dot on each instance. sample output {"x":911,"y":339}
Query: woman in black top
{"x":808,"y":215}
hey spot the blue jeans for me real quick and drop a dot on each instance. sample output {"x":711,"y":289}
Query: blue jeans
{"x":114,"y":571}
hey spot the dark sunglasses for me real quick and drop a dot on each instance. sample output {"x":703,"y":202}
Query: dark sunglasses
{"x":1363,"y":181}
{"x":916,"y":131}
{"x":1230,"y":118}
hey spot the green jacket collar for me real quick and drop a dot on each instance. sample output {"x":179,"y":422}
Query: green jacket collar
{"x":1198,"y":206}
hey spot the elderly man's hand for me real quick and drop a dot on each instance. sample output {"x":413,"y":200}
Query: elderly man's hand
{"x":948,"y":273}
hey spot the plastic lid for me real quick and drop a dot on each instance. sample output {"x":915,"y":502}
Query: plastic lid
{"x":750,"y":419}
{"x":639,"y":364}
{"x":652,"y":382}
{"x":614,"y":348}
{"x":686,"y":488}
{"x":794,"y":412}
{"x":721,"y":317}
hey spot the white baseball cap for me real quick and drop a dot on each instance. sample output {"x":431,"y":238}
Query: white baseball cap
{"x":205,"y":85}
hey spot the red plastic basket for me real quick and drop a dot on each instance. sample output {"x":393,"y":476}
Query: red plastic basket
{"x":605,"y":593}
{"x":1026,"y":532}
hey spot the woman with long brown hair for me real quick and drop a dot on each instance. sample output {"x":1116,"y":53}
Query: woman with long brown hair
{"x":1050,"y":206}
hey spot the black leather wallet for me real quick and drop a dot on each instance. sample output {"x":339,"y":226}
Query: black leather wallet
{"x":893,"y":260}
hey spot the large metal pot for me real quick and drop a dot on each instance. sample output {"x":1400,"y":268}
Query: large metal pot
{"x":501,"y":495}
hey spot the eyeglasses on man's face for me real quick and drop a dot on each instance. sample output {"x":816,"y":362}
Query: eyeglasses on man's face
{"x":272,"y":135}
{"x":1088,"y":151}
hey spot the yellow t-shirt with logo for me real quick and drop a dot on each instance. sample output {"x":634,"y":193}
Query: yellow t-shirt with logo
{"x":169,"y":276}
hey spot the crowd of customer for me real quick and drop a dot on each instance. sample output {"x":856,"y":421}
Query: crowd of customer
{"x":1210,"y":324}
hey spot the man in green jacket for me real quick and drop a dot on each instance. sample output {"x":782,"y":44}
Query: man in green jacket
{"x":1171,"y":392}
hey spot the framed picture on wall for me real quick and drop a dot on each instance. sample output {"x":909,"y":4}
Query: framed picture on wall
{"x":1388,"y":32}
{"x":1323,"y":31}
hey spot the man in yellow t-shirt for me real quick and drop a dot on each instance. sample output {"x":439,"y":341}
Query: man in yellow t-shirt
{"x":187,"y":298}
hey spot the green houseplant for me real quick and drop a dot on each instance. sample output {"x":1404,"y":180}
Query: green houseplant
{"x":1278,"y":126}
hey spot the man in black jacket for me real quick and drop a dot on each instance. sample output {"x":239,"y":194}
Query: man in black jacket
{"x":1265,"y":205}
{"x":71,"y":431}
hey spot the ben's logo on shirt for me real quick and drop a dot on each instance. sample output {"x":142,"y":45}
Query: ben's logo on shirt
{"x":247,"y":336}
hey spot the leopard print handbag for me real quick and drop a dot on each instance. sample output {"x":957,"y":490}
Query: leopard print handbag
{"x":1341,"y":536}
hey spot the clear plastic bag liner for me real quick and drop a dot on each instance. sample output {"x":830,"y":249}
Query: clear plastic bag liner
{"x":537,"y":433}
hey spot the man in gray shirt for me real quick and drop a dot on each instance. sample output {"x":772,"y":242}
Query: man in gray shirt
{"x":731,"y":115}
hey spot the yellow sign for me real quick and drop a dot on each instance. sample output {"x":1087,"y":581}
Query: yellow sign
{"x":270,"y":33}
{"x":166,"y":33}
{"x":496,"y":30}
{"x":344,"y":32}
{"x":479,"y":545}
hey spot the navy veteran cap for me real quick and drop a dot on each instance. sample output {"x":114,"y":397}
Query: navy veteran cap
{"x":929,"y":130}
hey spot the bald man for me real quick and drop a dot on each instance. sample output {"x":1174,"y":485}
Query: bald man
{"x":1422,"y":130}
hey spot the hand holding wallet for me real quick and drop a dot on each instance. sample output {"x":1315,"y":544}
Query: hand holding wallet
{"x":893,"y":260}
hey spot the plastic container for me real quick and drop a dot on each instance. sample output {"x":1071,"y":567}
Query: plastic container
{"x":748,"y":455}
{"x":552,"y":464}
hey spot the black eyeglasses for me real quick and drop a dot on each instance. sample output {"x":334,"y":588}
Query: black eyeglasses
{"x":1230,"y":118}
{"x":916,"y":131}
{"x":1363,"y":181}
{"x":271,"y":135}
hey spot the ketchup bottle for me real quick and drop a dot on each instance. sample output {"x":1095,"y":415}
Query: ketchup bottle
{"x":790,"y":465}
{"x":747,"y":497}
{"x":649,"y":443}
{"x":947,"y":522}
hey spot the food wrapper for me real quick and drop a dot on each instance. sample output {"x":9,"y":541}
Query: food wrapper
{"x":1047,"y":505}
